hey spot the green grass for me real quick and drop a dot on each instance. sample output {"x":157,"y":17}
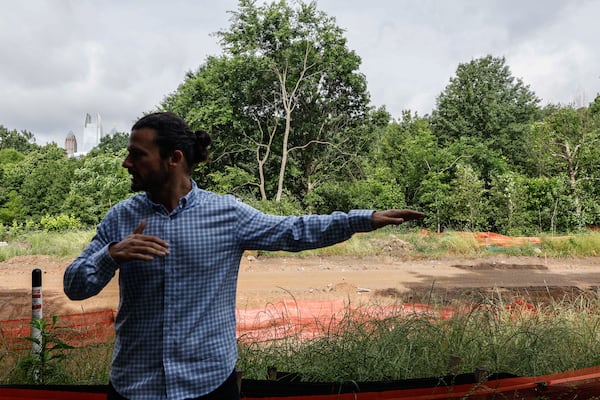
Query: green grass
{"x":556,"y":338}
{"x":67,"y":244}
{"x":392,"y":241}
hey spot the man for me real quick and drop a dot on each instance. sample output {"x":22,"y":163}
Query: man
{"x":178,"y":249}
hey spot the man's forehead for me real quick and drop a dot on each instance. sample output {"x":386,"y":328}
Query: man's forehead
{"x":143,"y":137}
{"x":143,"y":133}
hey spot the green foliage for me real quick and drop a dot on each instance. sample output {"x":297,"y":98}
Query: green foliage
{"x":60,"y":222}
{"x":10,"y":156}
{"x":44,"y":364}
{"x":98,"y":184}
{"x":23,"y":141}
{"x":582,"y":245}
{"x":369,"y":193}
{"x":12,"y":208}
{"x":286,"y":101}
{"x":46,"y":175}
{"x":111,"y":144}
{"x":467,"y":201}
{"x":485,"y":102}
{"x":570,"y":139}
{"x":287,"y":206}
{"x":232,"y":180}
{"x":409,"y":150}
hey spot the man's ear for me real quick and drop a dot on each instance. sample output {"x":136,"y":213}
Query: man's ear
{"x":176,"y":158}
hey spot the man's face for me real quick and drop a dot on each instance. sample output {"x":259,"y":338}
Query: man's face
{"x":148,"y":171}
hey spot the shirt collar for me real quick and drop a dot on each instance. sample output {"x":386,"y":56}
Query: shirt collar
{"x":185,"y":202}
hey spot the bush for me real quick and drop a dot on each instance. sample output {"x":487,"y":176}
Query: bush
{"x":60,"y":222}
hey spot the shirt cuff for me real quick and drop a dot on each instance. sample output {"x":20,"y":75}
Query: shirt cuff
{"x":360,"y":220}
{"x":105,"y":263}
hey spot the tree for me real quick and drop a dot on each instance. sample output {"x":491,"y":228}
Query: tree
{"x":11,"y":204}
{"x":98,"y":184}
{"x":410,"y":151}
{"x":486,"y":104}
{"x":46,"y":176}
{"x":570,"y":136}
{"x":22,"y":141}
{"x":111,"y":144}
{"x":467,"y":200}
{"x":288,"y":92}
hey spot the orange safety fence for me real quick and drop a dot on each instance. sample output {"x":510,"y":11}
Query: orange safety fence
{"x":491,"y":239}
{"x":77,"y":329}
{"x":302,"y":319}
{"x":306,"y":319}
{"x":310,"y":318}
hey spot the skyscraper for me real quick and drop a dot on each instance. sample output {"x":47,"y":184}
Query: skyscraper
{"x":71,"y":144}
{"x":92,"y":133}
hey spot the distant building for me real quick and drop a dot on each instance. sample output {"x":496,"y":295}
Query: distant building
{"x":71,"y":144}
{"x":92,"y":134}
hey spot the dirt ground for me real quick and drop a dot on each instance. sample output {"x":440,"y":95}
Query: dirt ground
{"x":263,"y":280}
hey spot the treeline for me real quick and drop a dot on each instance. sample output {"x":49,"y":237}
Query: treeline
{"x":294,"y":132}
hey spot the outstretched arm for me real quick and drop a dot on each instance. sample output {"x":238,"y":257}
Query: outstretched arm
{"x":379,"y":219}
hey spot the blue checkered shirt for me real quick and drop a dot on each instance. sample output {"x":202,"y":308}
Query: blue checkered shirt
{"x":175,"y":327}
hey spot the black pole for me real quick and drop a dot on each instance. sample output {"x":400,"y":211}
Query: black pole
{"x":36,"y":278}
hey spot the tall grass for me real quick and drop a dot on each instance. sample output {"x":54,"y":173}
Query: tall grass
{"x":66,"y":244}
{"x":553,"y":338}
{"x":583,"y":244}
{"x":85,"y":365}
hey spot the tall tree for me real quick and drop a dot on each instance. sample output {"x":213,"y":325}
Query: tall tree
{"x":486,"y":104}
{"x":11,"y":203}
{"x":409,"y":149}
{"x":293,"y":98}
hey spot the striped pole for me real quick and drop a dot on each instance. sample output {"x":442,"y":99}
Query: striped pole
{"x":36,"y":307}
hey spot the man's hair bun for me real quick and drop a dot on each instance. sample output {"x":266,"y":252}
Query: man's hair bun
{"x":201,"y":144}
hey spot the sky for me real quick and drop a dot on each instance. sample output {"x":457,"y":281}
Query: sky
{"x":61,"y":59}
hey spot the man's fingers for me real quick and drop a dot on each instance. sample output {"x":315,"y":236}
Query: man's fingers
{"x":410,"y":215}
{"x":154,"y":246}
{"x":380,"y":219}
{"x":140,"y":228}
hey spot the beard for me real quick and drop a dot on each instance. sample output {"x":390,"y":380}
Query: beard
{"x":151,"y":182}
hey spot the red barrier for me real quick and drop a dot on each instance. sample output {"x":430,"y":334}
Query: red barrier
{"x":578,"y":384}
